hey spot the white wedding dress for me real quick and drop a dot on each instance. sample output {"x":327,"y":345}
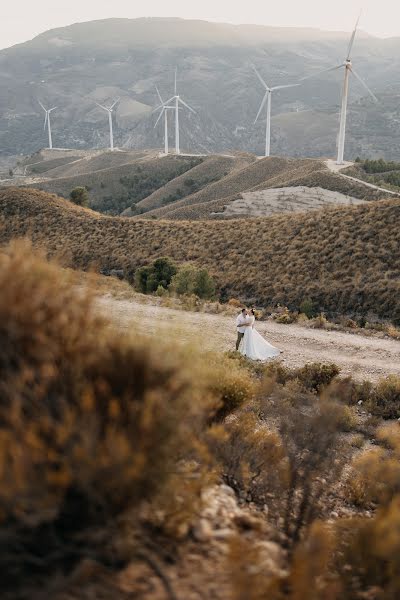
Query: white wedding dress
{"x":254,"y":346}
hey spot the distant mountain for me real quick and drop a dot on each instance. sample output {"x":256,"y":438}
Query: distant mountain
{"x":72,"y":67}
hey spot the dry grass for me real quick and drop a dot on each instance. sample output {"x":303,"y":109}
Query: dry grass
{"x":104,"y":177}
{"x":343,"y":259}
{"x":264,"y":174}
{"x":113,"y":452}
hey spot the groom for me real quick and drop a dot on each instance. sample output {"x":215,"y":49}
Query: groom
{"x":242,"y":321}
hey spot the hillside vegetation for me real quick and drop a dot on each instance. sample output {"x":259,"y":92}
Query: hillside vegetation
{"x":344,"y":259}
{"x":120,"y":470}
{"x":383,"y":173}
{"x":133,"y":184}
{"x":113,"y":188}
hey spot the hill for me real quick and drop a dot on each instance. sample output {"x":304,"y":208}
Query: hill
{"x":115,"y":180}
{"x":269,"y":173}
{"x":347,"y":260}
{"x":73,"y":67}
{"x":145,"y":183}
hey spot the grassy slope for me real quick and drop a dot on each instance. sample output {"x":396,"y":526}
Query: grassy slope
{"x":212,"y":169}
{"x":271,"y":172}
{"x":106,"y":190}
{"x":345,"y":259}
{"x":99,"y":162}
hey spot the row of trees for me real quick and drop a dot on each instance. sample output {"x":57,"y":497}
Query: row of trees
{"x":163,"y":275}
{"x":379,"y":166}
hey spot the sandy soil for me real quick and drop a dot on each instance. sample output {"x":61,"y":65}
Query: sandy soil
{"x":356,"y":355}
{"x":263,"y":203}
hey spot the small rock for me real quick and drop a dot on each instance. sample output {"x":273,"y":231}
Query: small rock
{"x":202,"y":531}
{"x":222,"y":534}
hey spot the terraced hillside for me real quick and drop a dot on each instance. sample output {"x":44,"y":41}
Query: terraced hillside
{"x":201,"y":181}
{"x":268,"y":173}
{"x":115,"y":181}
{"x":136,"y":184}
{"x":345,"y":259}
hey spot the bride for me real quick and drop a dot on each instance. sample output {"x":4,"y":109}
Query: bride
{"x":253,"y":344}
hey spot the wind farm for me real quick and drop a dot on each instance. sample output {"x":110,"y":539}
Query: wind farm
{"x":174,"y":112}
{"x":200,"y":306}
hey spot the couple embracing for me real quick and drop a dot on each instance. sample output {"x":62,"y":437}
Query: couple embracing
{"x":249,"y":342}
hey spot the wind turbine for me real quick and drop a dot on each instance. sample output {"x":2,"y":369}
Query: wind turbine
{"x":47,"y":122}
{"x":110,"y":111}
{"x":177,"y":100}
{"x":348,"y":68}
{"x":267,"y":99}
{"x":164,"y":111}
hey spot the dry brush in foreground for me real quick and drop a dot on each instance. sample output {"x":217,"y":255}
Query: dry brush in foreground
{"x":123,"y":465}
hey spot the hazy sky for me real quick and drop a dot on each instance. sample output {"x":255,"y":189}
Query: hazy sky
{"x":23,"y":20}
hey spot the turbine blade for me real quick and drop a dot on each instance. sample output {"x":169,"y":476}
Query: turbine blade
{"x":100,"y":105}
{"x":353,"y":35}
{"x":365,"y":85}
{"x":260,"y":78}
{"x":281,"y":87}
{"x":261,"y":106}
{"x":187,"y":106}
{"x":54,"y":108}
{"x":175,"y":85}
{"x":42,"y":105}
{"x":322,"y":72}
{"x":45,"y":121}
{"x":163,"y":104}
{"x":159,"y":117}
{"x":159,"y":96}
{"x":116,"y":102}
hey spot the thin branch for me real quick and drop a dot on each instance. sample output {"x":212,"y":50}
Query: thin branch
{"x":157,"y":569}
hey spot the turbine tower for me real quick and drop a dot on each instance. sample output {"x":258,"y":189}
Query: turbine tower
{"x":177,"y":100}
{"x":47,"y":122}
{"x":267,"y":99}
{"x":347,"y":65}
{"x":164,"y":111}
{"x":110,"y":111}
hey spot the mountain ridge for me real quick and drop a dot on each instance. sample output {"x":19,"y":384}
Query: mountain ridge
{"x":73,"y":67}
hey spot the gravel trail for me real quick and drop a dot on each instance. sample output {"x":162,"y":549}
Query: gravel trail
{"x":363,"y":357}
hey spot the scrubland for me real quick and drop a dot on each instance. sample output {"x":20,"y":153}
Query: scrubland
{"x":130,"y":471}
{"x":346,"y":260}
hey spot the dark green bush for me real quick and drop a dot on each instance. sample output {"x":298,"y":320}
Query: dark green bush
{"x":191,"y":280}
{"x":159,"y":274}
{"x":307,"y":308}
{"x":80,"y":196}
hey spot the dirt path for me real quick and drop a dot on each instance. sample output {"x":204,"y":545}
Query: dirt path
{"x":362,"y":357}
{"x":333,"y":166}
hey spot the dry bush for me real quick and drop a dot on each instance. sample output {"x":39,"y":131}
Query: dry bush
{"x":251,"y":457}
{"x":231,"y":384}
{"x":312,"y":376}
{"x":381,"y":399}
{"x":368,"y":554}
{"x":327,"y":255}
{"x":310,"y":429}
{"x":91,"y":424}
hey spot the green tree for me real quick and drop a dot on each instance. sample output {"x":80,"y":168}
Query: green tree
{"x":191,"y":280}
{"x":204,"y":286}
{"x":150,"y":278}
{"x":80,"y":196}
